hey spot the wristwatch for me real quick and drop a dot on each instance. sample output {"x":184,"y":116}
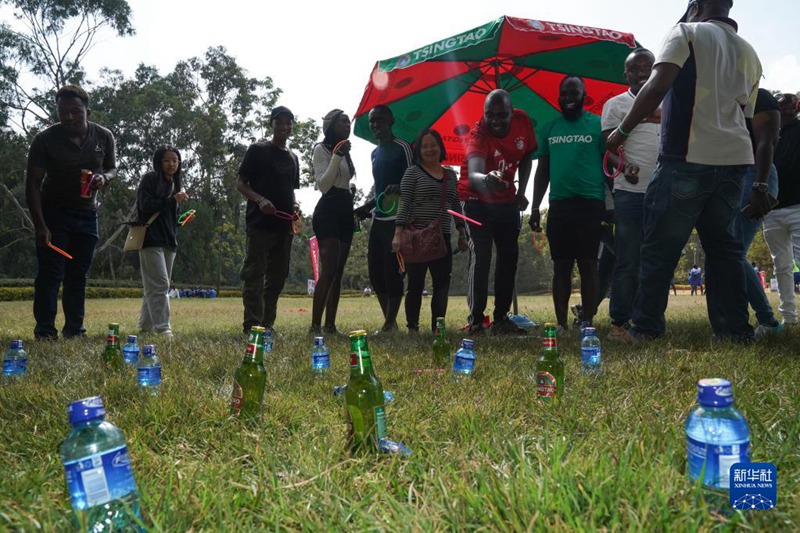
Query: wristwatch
{"x":761,"y":187}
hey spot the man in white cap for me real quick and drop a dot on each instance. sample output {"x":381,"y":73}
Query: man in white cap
{"x":707,"y":77}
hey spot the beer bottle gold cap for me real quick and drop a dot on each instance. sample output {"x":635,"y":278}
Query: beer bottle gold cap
{"x":550,"y":325}
{"x":258,"y":328}
{"x":357,"y":333}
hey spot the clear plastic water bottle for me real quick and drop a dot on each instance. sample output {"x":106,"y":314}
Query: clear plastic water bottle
{"x":464,"y":361}
{"x":590,"y":352}
{"x":98,"y":471}
{"x":320,"y":357}
{"x":585,"y":324}
{"x":149,"y":370}
{"x":15,"y":361}
{"x":717,"y":436}
{"x":269,"y":342}
{"x":130,"y":351}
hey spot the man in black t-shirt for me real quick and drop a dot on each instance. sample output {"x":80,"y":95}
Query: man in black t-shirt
{"x":782,"y":225}
{"x":67,"y":164}
{"x":761,"y":176}
{"x":268,"y":177}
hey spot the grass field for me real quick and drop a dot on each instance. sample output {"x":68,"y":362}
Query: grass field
{"x":486,"y":455}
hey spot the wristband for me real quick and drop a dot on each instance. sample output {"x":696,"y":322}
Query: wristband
{"x":623,"y":132}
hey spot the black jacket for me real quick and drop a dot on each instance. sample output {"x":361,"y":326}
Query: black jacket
{"x":156,"y":195}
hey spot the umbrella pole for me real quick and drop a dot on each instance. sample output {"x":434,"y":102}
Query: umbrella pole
{"x":515,"y":306}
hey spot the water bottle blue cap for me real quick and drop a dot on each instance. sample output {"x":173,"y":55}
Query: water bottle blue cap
{"x":585,"y":324}
{"x":15,"y":345}
{"x":589,"y":331}
{"x":389,"y":446}
{"x":132,"y":338}
{"x":467,"y":343}
{"x":148,"y":349}
{"x":715,"y":392}
{"x":319,"y":341}
{"x":86,"y":409}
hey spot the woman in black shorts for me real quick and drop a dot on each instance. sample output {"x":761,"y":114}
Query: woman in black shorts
{"x":333,"y":216}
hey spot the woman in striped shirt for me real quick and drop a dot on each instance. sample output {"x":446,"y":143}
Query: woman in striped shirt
{"x":420,"y":196}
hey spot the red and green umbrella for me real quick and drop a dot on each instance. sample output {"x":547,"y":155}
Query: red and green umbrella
{"x":443,"y":85}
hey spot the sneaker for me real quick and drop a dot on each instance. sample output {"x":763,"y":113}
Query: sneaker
{"x":765,"y":329}
{"x":167,"y":333}
{"x":618,"y":333}
{"x":476,"y":329}
{"x":631,"y":337}
{"x":577,"y":310}
{"x":330,"y":330}
{"x":507,"y":327}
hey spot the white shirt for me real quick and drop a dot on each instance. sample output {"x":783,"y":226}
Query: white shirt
{"x":641,"y":147}
{"x":704,"y":112}
{"x":330,"y":170}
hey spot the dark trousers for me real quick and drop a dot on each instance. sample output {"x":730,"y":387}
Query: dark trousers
{"x":75,"y":232}
{"x":500,"y":226}
{"x":605,"y":263}
{"x":440,"y":270}
{"x":384,"y":271}
{"x":266,"y":265}
{"x":682,"y":196}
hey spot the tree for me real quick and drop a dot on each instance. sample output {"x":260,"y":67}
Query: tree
{"x":210,"y":110}
{"x":49,"y":42}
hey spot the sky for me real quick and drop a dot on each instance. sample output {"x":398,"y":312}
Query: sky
{"x":322,"y":53}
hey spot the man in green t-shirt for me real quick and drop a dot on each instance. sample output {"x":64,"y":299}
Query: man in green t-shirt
{"x":570,"y":161}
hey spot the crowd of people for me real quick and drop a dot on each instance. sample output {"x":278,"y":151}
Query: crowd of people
{"x":685,"y":162}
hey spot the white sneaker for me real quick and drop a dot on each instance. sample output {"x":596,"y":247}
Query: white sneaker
{"x":167,"y":333}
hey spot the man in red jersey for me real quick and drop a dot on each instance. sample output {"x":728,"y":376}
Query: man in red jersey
{"x":500,"y":144}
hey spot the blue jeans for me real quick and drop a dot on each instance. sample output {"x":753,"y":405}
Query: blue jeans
{"x":745,"y":229}
{"x":74,"y":231}
{"x":680,"y":197}
{"x":628,"y":215}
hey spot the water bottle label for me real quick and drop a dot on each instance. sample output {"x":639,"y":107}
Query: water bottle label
{"x":546,"y":385}
{"x":463,"y":365}
{"x":15,"y":367}
{"x":237,"y":399}
{"x":149,"y":376}
{"x":380,"y":422}
{"x":320,"y":361}
{"x":131,"y":356}
{"x":100,"y":478}
{"x":718,"y":460}
{"x":590,"y":356}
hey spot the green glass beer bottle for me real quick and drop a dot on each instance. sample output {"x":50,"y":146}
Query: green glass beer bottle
{"x":549,"y":367}
{"x":363,"y":398}
{"x":113,"y":327}
{"x":250,"y":378}
{"x":112,"y":355}
{"x":441,"y":346}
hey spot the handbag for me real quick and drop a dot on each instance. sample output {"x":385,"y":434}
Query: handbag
{"x":136,"y":232}
{"x":421,"y":244}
